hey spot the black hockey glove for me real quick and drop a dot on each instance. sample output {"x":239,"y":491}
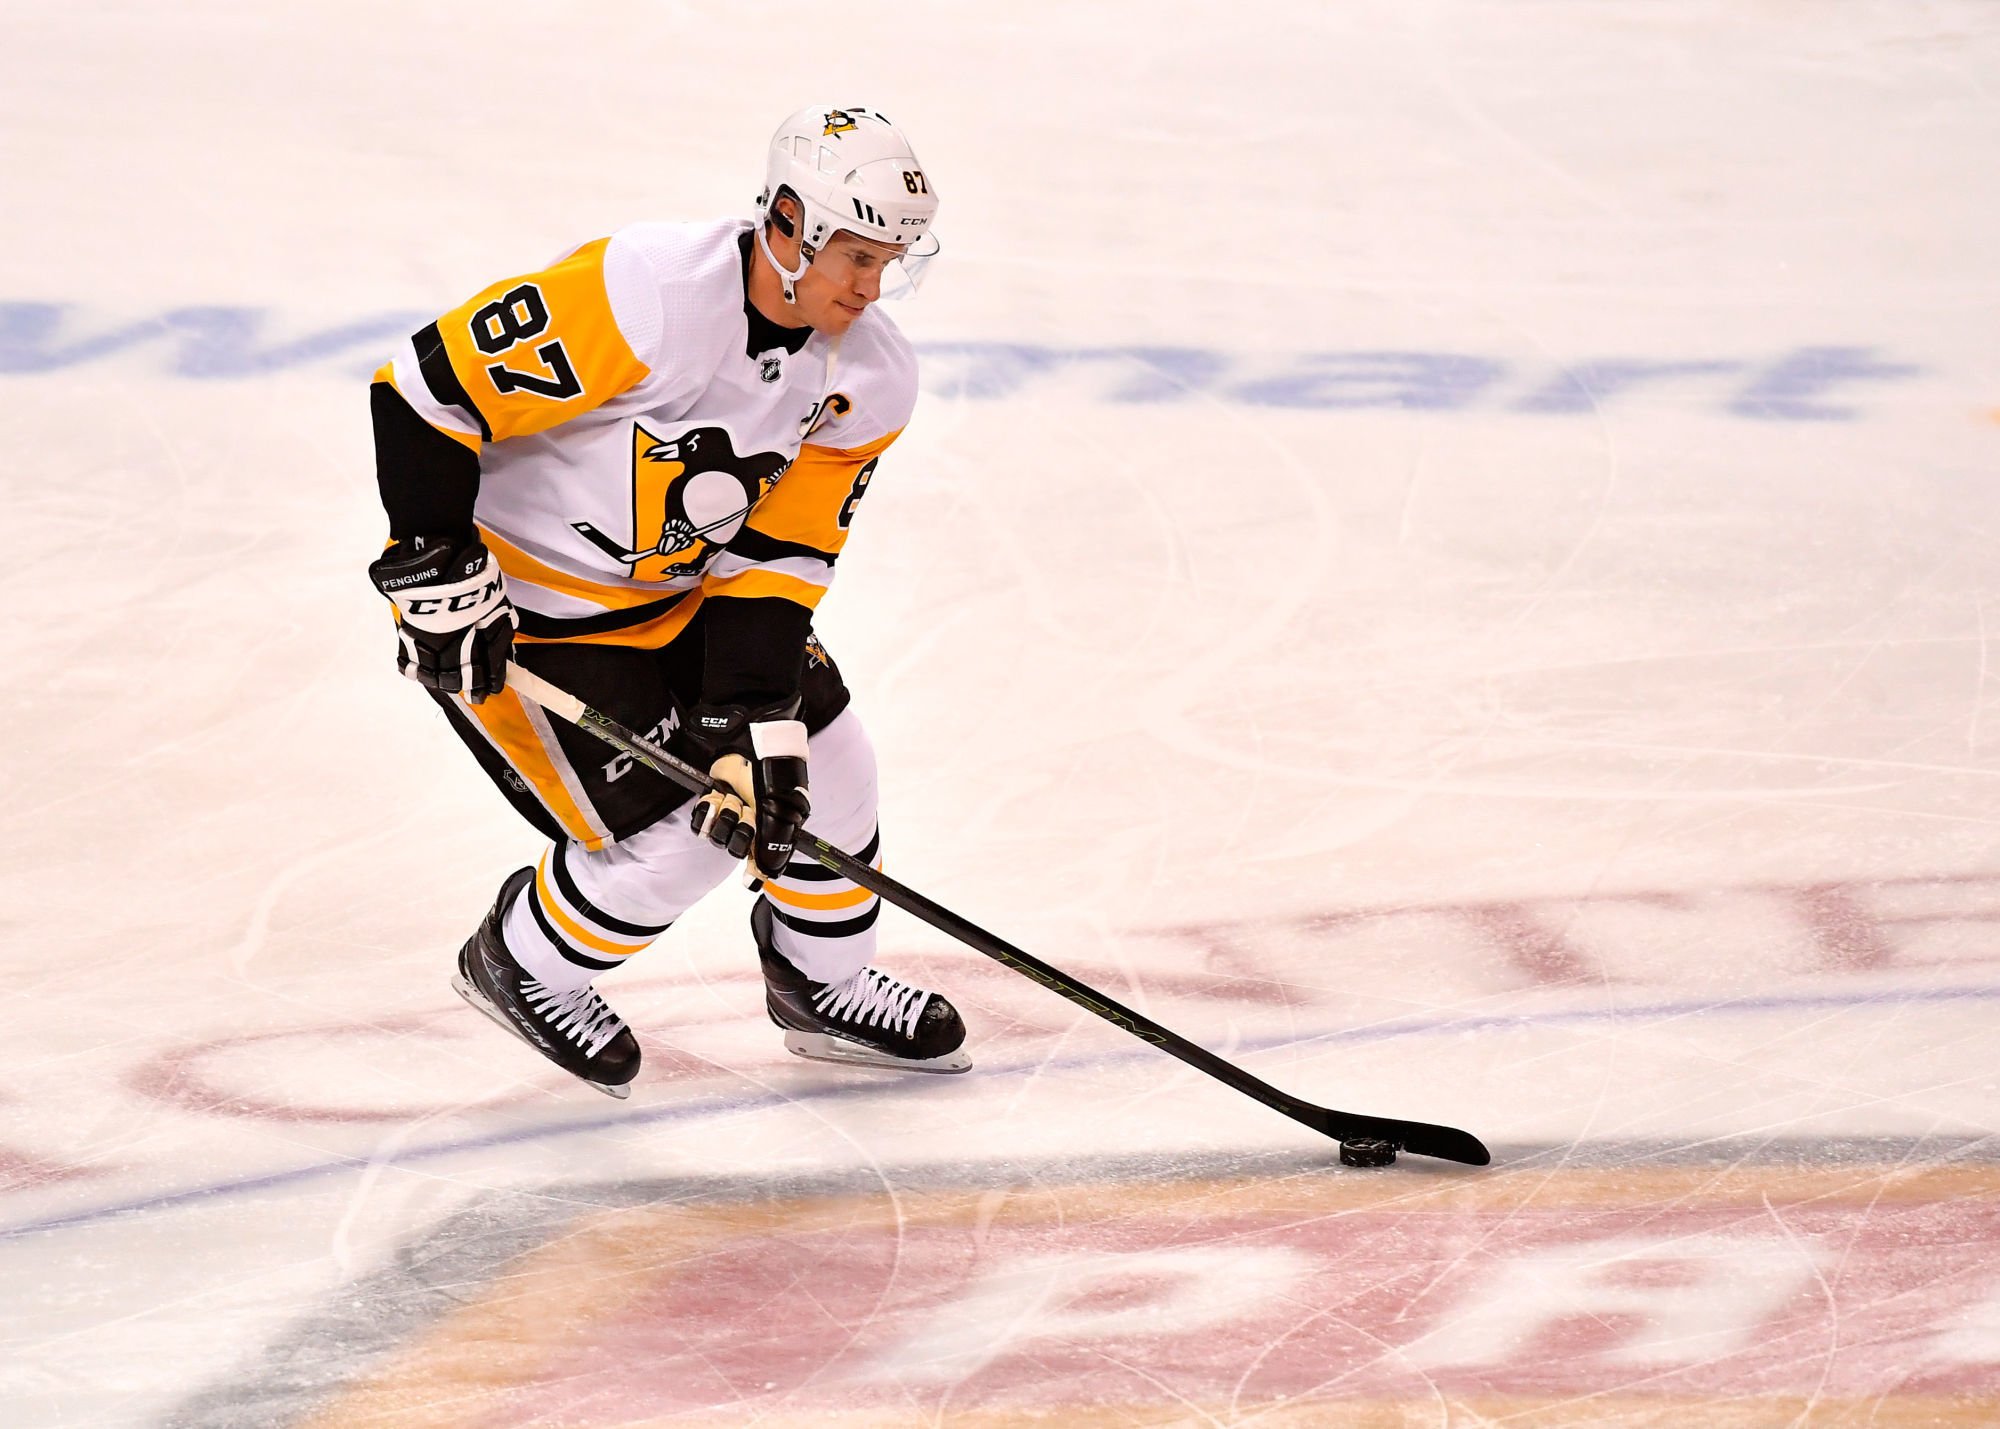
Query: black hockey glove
{"x":758,"y":760}
{"x":453,"y":618}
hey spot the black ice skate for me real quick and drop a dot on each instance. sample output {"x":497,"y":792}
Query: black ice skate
{"x":575,"y":1030}
{"x":871,"y":1020}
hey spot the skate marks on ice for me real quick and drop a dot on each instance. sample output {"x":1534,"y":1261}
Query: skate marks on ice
{"x":1454,"y":975}
{"x":1638,"y":1284}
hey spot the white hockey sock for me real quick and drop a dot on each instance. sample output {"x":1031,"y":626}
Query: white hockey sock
{"x":825,"y":925}
{"x":533,"y":950}
{"x":822,"y":923}
{"x":560,"y":929}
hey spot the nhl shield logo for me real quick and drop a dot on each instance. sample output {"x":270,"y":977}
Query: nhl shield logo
{"x":770,"y":368}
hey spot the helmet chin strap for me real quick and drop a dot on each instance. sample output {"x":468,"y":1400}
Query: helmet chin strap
{"x":786,"y":278}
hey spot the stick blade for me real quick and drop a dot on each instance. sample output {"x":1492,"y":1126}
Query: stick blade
{"x":1446,"y":1143}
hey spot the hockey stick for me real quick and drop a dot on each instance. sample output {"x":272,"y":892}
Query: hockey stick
{"x":1445,"y":1142}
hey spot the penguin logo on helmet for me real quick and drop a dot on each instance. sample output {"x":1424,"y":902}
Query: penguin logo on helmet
{"x":690,"y":494}
{"x":839,"y":121}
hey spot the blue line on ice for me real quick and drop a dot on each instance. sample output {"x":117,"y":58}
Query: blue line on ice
{"x":724,"y":1106}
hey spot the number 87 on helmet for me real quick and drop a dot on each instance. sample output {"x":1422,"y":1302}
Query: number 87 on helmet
{"x":848,"y":171}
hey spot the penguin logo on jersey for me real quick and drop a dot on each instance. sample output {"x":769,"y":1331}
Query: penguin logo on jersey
{"x":690,"y":495}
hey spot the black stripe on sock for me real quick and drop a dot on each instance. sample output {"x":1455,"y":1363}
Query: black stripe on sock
{"x":805,"y":869}
{"x":846,"y":928}
{"x":569,"y":953}
{"x":438,"y":375}
{"x":566,"y":885}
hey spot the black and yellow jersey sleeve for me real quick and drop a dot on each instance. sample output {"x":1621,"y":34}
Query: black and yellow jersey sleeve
{"x":761,"y":591}
{"x":795,"y":532}
{"x":522,"y":355}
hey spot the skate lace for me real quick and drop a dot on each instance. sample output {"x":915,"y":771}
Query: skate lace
{"x":580,"y":1015}
{"x":871,"y":996}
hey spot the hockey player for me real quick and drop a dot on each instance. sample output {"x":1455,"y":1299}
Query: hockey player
{"x":633,"y":472}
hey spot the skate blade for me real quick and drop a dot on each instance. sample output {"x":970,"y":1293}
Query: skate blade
{"x":477,"y":1000}
{"x":820,"y":1047}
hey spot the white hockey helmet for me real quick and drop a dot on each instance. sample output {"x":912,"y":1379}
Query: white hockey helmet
{"x":850,"y":170}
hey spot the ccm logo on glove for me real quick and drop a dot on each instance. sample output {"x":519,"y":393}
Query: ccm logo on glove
{"x":454,"y":623}
{"x":467,"y":600}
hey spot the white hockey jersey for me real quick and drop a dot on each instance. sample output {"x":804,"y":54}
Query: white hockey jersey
{"x":635,"y":454}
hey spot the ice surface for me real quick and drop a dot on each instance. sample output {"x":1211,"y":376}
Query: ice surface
{"x":1447,"y":554}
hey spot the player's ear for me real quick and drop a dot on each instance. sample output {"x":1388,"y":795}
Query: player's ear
{"x":785,"y":215}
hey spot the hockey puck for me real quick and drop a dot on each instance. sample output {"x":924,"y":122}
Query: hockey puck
{"x":1367,"y":1151}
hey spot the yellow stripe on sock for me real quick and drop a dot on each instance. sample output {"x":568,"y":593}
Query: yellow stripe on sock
{"x":573,"y":929}
{"x":819,"y":902}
